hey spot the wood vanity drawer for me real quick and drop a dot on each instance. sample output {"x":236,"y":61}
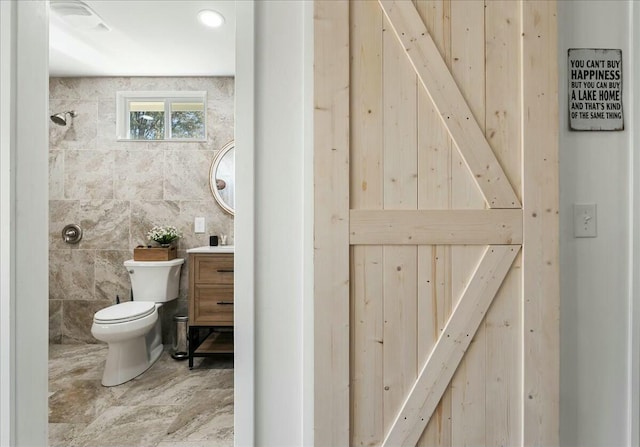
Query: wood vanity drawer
{"x":212,"y":305}
{"x":214,"y":269}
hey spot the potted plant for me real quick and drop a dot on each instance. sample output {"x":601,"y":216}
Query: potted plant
{"x":164,"y":235}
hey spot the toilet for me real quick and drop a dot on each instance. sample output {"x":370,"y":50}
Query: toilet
{"x":132,"y":329}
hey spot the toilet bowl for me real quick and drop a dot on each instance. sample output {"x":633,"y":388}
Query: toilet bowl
{"x":132,"y":329}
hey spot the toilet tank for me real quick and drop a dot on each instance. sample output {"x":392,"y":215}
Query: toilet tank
{"x":155,"y":281}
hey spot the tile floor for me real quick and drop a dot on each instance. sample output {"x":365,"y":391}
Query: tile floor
{"x":167,"y":406}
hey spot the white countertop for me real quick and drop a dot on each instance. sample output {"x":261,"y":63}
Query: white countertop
{"x":216,"y":249}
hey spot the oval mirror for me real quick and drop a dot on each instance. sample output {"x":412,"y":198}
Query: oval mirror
{"x":222,"y":178}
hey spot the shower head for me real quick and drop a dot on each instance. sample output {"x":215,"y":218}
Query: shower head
{"x":61,"y":118}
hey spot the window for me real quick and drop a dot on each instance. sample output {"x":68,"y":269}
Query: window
{"x":177,"y":116}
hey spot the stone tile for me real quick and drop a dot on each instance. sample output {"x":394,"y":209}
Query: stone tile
{"x":220,"y":88}
{"x":55,"y":321}
{"x":159,"y":386}
{"x":164,"y":146}
{"x":208,"y":417}
{"x":217,"y":222}
{"x":81,"y":131}
{"x":62,"y":434}
{"x":83,"y":413}
{"x":186,"y":175}
{"x":145,"y":215}
{"x":106,"y":137}
{"x":80,"y":401}
{"x":71,"y":274}
{"x":220,"y":123}
{"x":209,"y":443}
{"x":78,"y":318}
{"x":87,"y":88}
{"x":88,"y":174}
{"x":215,"y":373}
{"x":111,"y":276}
{"x":138,"y":175}
{"x":137,"y":426}
{"x":61,"y":213}
{"x":56,"y":175}
{"x":105,"y":224}
{"x":76,"y":362}
{"x":64,"y":88}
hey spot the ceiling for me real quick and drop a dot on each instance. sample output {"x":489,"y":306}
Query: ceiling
{"x":145,"y":38}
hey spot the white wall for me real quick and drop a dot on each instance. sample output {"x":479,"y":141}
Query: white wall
{"x":7,"y":198}
{"x":595,"y":167}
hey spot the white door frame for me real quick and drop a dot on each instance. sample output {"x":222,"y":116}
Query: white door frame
{"x":244,"y":230}
{"x":24,"y":231}
{"x":24,"y":172}
{"x":634,"y":236}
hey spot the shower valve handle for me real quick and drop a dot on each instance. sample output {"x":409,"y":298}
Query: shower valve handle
{"x":72,"y":234}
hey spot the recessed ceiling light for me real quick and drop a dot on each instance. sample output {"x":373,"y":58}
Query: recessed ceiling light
{"x":211,"y":18}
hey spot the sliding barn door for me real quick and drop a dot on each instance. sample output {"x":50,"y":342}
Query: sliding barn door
{"x":436,"y":234}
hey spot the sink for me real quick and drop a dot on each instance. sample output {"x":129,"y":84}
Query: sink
{"x":210,"y":249}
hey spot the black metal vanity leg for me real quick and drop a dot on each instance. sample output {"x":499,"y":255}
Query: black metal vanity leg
{"x":193,"y":343}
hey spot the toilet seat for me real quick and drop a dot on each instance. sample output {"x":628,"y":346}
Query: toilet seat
{"x":124,"y":312}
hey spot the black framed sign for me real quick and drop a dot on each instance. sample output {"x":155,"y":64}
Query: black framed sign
{"x":595,"y":89}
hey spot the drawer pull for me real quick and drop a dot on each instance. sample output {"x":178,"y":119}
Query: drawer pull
{"x":222,"y":303}
{"x":225,"y":270}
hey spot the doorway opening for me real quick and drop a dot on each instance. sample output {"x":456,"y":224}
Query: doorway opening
{"x":92,"y":173}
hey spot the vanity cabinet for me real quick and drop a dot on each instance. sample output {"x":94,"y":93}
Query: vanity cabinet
{"x":210,"y":304}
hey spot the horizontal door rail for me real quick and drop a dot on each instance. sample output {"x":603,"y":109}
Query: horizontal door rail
{"x":436,"y":227}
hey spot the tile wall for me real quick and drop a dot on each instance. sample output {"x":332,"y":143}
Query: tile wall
{"x":116,"y":191}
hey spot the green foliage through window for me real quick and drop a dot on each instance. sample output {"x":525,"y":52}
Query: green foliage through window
{"x":187,"y":119}
{"x":162,"y":115}
{"x":146,"y":125}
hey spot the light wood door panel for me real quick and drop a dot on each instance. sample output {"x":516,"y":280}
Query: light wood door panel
{"x":436,"y":277}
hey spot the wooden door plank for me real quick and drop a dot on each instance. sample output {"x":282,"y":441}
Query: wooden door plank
{"x":445,"y":227}
{"x":400,"y":361}
{"x":400,"y":192}
{"x":503,"y":323}
{"x":366,"y":192}
{"x":366,"y":109}
{"x":434,"y":144}
{"x":503,"y":87}
{"x":450,"y":348}
{"x":540,"y":199}
{"x":448,"y":100}
{"x":331,"y":224}
{"x":367,"y":427}
{"x":400,"y":127}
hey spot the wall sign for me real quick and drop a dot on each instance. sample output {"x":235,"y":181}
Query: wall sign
{"x":595,"y":89}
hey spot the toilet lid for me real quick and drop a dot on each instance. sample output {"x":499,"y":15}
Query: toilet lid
{"x":123,"y":312}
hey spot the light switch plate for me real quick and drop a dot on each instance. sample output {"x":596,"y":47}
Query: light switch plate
{"x":199,"y":225}
{"x":584,"y":220}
